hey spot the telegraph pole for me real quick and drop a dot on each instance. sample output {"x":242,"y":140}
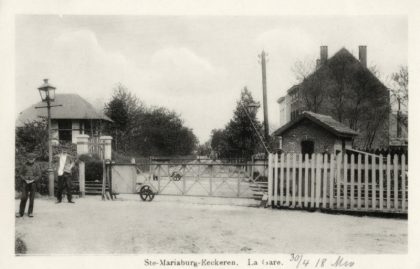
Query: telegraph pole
{"x":264,"y":85}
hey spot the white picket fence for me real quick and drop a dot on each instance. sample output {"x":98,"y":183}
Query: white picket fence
{"x":338,"y":182}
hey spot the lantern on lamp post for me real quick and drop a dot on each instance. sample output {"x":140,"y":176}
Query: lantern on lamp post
{"x":251,"y":109}
{"x":47,"y":93}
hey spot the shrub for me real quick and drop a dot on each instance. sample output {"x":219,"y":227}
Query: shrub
{"x":93,"y":167}
{"x":93,"y":170}
{"x":20,"y":247}
{"x":33,"y":137}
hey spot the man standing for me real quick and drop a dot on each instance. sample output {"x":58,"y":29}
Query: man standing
{"x":65,"y":165}
{"x":29,"y":174}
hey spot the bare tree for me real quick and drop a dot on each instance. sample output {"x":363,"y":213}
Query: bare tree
{"x":349,"y":93}
{"x":399,"y":96}
{"x":312,"y":92}
{"x":399,"y":89}
{"x":303,"y":68}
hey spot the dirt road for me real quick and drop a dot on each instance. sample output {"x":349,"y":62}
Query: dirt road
{"x":199,"y":225}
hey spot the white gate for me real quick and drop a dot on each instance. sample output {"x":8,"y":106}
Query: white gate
{"x":215,"y":178}
{"x":123,"y":178}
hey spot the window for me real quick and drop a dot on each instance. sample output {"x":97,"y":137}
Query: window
{"x":294,"y":114}
{"x":64,"y":130}
{"x":307,"y":147}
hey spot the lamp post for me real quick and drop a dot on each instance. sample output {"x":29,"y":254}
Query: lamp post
{"x":47,"y":93}
{"x":252,"y":108}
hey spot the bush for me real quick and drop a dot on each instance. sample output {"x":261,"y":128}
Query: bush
{"x":33,"y":137}
{"x":20,"y":247}
{"x":93,"y":167}
{"x":93,"y":170}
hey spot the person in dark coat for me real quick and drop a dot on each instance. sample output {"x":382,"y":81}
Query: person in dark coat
{"x":30,"y":173}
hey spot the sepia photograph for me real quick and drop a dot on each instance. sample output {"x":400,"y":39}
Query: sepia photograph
{"x":195,"y":134}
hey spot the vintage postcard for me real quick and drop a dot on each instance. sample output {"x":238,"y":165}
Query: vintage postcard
{"x":224,"y":135}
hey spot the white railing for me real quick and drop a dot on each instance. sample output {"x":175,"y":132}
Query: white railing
{"x":351,"y":182}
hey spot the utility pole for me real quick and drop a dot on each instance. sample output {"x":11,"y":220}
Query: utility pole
{"x":399,"y":118}
{"x":264,"y":85}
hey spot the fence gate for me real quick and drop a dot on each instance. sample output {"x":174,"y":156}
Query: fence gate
{"x":123,"y":178}
{"x":362,"y":182}
{"x":216,"y":178}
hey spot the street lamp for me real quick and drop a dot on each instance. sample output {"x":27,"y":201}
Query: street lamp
{"x":251,"y":108}
{"x":47,"y":93}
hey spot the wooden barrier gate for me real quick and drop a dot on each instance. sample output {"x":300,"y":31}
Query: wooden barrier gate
{"x":362,"y":182}
{"x":215,"y":178}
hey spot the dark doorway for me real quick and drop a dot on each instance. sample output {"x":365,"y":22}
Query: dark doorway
{"x":64,"y":130}
{"x":307,"y":147}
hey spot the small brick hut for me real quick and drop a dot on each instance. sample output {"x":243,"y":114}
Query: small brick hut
{"x":314,"y":133}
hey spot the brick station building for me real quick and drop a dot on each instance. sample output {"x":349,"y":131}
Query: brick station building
{"x":344,"y":88}
{"x":311,"y":133}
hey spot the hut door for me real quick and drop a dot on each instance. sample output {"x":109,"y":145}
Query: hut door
{"x":307,"y":147}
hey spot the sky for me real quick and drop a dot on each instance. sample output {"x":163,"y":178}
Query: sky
{"x":194,"y":65}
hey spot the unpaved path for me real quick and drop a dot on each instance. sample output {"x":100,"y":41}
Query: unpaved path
{"x":199,"y":225}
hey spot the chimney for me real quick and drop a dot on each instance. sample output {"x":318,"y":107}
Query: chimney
{"x":324,"y":54}
{"x":363,"y":55}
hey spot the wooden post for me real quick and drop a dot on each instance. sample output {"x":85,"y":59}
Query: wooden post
{"x":158,"y":167}
{"x":388,"y":182}
{"x":294,"y":171}
{"x":106,"y":142}
{"x":345,"y":194}
{"x":184,"y":184}
{"x":324,"y":182}
{"x":403,"y":185}
{"x":318,"y":179}
{"x":373,"y":183}
{"x":276,"y":178}
{"x":270,"y":178}
{"x":238,"y":193}
{"x":252,"y":167}
{"x":212,"y":175}
{"x":332,"y":173}
{"x":300,"y":181}
{"x":313,"y":178}
{"x":366,"y":159}
{"x":82,"y":178}
{"x":306,"y":198}
{"x":381,"y":183}
{"x":109,"y":178}
{"x":396,"y":182}
{"x":281,"y":178}
{"x":359,"y":181}
{"x":287,"y":179}
{"x":339,"y":180}
{"x":351,"y":181}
